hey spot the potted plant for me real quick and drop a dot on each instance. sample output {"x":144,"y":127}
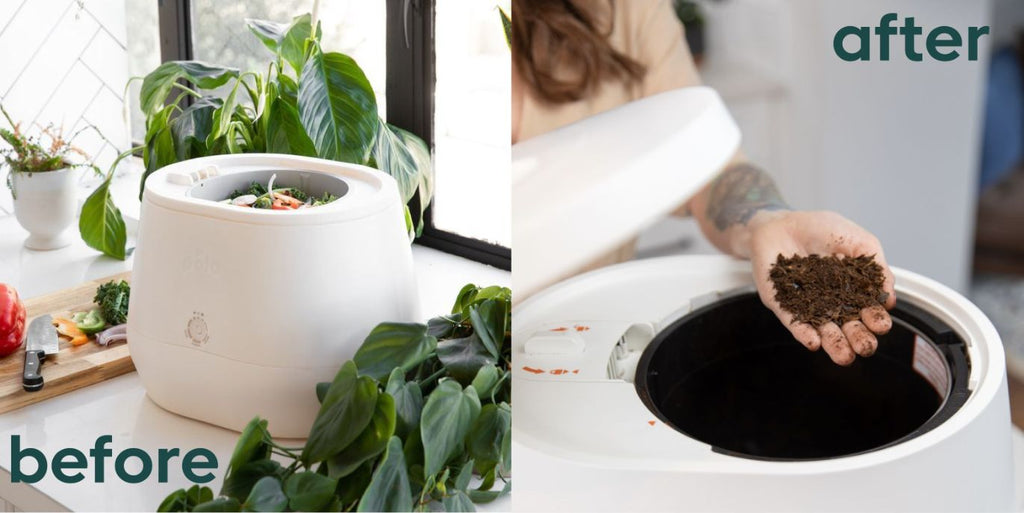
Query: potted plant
{"x":309,"y":102}
{"x":43,"y":181}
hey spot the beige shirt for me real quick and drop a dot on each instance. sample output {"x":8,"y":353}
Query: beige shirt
{"x":647,"y":31}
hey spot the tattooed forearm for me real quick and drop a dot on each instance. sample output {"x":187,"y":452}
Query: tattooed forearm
{"x":740,"y":192}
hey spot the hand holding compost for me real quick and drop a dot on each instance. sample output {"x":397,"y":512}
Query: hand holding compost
{"x":404,"y":426}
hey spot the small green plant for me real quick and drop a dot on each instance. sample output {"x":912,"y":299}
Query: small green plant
{"x":31,"y":154}
{"x":404,"y":426}
{"x":308,"y":102}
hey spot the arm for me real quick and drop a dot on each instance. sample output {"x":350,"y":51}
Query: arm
{"x":742,"y":213}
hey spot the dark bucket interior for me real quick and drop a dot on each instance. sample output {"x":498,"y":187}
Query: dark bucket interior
{"x":313,"y":183}
{"x":730,"y":375}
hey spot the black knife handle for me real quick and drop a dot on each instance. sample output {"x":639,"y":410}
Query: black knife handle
{"x":31,"y":379}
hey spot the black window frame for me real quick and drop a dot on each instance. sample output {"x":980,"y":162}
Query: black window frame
{"x":409,"y":93}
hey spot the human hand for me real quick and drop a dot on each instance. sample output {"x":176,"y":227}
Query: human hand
{"x":825,"y":233}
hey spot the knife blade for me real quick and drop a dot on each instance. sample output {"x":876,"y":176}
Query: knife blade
{"x":42,"y":340}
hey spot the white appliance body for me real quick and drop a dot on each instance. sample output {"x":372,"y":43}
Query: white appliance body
{"x":584,"y":441}
{"x":237,"y":313}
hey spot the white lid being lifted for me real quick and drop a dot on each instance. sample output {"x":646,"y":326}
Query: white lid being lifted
{"x":583,"y":189}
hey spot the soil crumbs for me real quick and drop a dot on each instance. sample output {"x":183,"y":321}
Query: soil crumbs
{"x":818,"y":290}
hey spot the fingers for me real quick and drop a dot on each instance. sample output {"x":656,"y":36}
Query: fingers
{"x":861,"y":340}
{"x":876,"y":319}
{"x":836,"y":345}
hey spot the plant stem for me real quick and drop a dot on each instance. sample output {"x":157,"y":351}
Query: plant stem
{"x":432,"y":377}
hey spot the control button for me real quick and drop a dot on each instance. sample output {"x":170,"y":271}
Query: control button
{"x":179,"y":178}
{"x":554,"y":343}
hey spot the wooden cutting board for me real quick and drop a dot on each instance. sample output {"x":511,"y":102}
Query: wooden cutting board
{"x":71,"y":368}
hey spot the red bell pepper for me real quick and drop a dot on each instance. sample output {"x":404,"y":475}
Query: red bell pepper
{"x":12,"y":320}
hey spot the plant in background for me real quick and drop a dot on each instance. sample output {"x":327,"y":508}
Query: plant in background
{"x":308,"y":102}
{"x":404,"y":426}
{"x":100,"y":223}
{"x":30,"y":154}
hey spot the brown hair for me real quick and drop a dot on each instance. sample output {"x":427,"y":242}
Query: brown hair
{"x":561,"y":50}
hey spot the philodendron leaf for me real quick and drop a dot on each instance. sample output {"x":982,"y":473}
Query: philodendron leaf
{"x":337,"y":107}
{"x":222,"y":116}
{"x":345,"y":412}
{"x":158,"y":83}
{"x":486,"y":378}
{"x":506,"y":25}
{"x":458,"y":501}
{"x":286,"y":40}
{"x":488,"y":318}
{"x":392,"y":345}
{"x":487,"y":434}
{"x":448,"y":415}
{"x":370,"y":442}
{"x":321,"y":391}
{"x":251,"y":446}
{"x":241,"y":480}
{"x":266,"y":495}
{"x":463,"y":357}
{"x":101,"y":225}
{"x":389,"y":487}
{"x":285,"y":133}
{"x":309,"y":491}
{"x":408,"y":402}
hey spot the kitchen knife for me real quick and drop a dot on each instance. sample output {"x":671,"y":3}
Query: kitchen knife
{"x":42,"y":340}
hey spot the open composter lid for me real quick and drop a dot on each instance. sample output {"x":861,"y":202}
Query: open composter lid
{"x":581,"y":190}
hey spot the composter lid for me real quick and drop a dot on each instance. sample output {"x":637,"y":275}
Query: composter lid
{"x":583,"y":189}
{"x":197,"y":187}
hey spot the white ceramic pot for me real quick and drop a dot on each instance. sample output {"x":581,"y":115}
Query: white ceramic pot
{"x":45,"y":205}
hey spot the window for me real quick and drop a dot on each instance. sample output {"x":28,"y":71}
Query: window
{"x":466,"y":123}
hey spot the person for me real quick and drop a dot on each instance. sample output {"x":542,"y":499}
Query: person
{"x":575,"y":58}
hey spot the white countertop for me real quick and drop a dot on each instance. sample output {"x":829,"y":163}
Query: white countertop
{"x":119,"y":407}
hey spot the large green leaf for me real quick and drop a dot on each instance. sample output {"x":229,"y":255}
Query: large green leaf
{"x":406,"y":158}
{"x":192,"y":126}
{"x":287,"y":40}
{"x":486,"y":435}
{"x":389,"y":488}
{"x":337,"y":107}
{"x":285,"y":133}
{"x":251,"y":446}
{"x":101,"y":225}
{"x":408,"y":403}
{"x":488,"y":318}
{"x":463,"y":357}
{"x":159,"y":149}
{"x":344,"y":414}
{"x":242,"y":478}
{"x":186,"y":500}
{"x":392,"y":345}
{"x":156,"y":86}
{"x":266,"y":495}
{"x":448,"y":415}
{"x":309,"y":491}
{"x":370,"y":442}
{"x":222,"y":116}
{"x":485,"y":380}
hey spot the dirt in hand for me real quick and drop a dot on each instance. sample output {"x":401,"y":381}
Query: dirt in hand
{"x":818,"y":290}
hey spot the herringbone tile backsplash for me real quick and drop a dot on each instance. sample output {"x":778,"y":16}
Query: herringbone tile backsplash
{"x":64,"y":62}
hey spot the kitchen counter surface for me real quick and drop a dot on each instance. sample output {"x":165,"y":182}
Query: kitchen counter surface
{"x":119,"y":407}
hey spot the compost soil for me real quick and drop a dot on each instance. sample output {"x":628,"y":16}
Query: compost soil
{"x":821,"y":289}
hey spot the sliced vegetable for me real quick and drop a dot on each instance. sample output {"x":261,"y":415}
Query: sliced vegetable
{"x":90,"y":322}
{"x":12,"y":320}
{"x":108,"y":336}
{"x":281,"y":198}
{"x":69,"y":329}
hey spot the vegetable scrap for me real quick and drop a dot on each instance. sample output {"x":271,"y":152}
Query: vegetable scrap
{"x":284,"y":198}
